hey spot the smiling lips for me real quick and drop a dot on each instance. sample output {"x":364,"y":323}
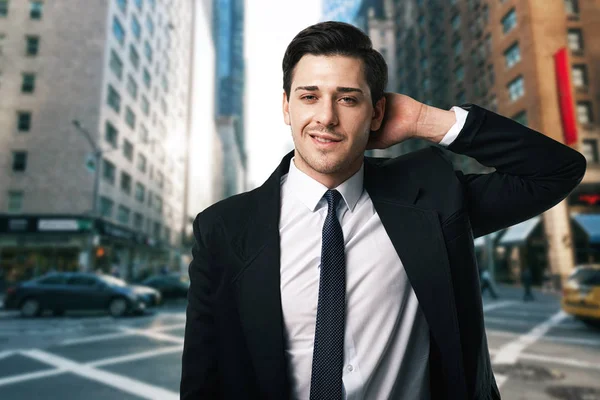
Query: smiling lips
{"x":324,"y":139}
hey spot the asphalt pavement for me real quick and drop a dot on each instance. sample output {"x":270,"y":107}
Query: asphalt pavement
{"x":538,"y":353}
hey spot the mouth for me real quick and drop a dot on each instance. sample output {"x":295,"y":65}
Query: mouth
{"x":324,"y":140}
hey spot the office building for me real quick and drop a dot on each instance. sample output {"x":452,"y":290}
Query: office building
{"x":111,"y":80}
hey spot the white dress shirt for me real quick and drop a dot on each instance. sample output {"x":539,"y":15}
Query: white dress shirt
{"x":386,"y":346}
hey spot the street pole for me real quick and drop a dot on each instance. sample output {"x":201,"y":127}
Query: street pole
{"x":97,"y":160}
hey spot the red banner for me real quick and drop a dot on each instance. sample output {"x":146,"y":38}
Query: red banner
{"x":565,"y":95}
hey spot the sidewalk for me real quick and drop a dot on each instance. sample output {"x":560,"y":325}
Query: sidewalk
{"x":515,"y":292}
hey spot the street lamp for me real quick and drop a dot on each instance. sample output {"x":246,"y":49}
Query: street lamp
{"x":98,"y":152}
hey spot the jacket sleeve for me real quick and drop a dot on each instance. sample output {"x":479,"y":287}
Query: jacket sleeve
{"x":199,"y":377}
{"x":532,"y":171}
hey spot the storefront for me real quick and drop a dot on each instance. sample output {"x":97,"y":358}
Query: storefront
{"x":34,"y":245}
{"x":31,"y":246}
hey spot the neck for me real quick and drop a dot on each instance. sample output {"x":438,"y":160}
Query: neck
{"x":333,"y":180}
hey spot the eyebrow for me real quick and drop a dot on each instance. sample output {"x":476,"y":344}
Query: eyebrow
{"x":342,"y":89}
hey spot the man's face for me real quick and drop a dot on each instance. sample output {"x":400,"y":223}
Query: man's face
{"x":331,"y":115}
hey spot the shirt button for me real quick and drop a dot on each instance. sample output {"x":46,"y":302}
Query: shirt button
{"x":350,"y":368}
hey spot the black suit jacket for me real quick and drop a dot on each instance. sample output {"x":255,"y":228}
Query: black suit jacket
{"x":234,"y":337}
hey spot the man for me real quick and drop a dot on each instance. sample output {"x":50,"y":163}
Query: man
{"x":351,"y":277}
{"x":486,"y":283}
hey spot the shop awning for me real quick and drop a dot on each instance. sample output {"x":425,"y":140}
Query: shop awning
{"x":590,"y":223}
{"x":480,"y":241}
{"x":517,"y":234}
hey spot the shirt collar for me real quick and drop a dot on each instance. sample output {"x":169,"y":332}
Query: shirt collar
{"x":310,"y":192}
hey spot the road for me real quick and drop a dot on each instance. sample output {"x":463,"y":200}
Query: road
{"x":538,"y":353}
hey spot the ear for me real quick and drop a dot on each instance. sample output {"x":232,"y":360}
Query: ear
{"x":286,"y":109}
{"x":378,"y":113}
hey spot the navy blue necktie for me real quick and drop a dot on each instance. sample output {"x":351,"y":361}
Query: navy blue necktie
{"x":328,"y":354}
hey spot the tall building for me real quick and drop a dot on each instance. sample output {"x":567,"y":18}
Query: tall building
{"x":93,"y":92}
{"x":532,"y":60}
{"x":341,"y":10}
{"x":228,"y":36}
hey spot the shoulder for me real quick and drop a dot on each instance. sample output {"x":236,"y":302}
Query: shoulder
{"x":424,"y":164}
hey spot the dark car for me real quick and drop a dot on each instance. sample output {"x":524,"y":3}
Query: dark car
{"x":60,"y":292}
{"x":169,"y":285}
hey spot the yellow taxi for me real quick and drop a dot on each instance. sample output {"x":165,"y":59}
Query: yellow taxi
{"x":581,"y":294}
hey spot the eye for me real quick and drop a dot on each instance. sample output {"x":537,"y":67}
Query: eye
{"x":348,"y":100}
{"x":309,"y":97}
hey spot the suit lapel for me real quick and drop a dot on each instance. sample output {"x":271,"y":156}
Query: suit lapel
{"x":417,"y":237}
{"x":258,"y":286}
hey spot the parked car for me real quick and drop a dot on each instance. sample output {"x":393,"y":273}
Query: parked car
{"x":581,"y":294}
{"x":60,"y":292}
{"x":169,"y":285}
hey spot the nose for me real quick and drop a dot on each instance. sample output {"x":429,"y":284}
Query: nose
{"x":327,"y":114}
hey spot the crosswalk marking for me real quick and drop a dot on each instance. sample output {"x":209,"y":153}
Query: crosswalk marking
{"x":120,"y":382}
{"x":510,"y":352}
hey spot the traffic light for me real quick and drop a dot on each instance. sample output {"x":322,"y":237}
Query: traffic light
{"x":100,"y":252}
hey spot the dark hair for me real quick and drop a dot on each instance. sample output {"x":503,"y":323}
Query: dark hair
{"x":337,"y":39}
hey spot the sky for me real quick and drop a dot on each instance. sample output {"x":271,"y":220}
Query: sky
{"x":270,"y":26}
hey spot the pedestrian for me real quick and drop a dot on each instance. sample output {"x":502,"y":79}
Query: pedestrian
{"x":345,"y":276}
{"x":526,"y":281}
{"x":487,"y":284}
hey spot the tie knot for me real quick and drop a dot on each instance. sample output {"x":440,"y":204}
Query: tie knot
{"x":333,"y":198}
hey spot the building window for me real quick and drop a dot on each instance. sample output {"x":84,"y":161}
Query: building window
{"x":130,"y":118}
{"x":521,"y":118}
{"x":589,"y":148}
{"x":122,"y":5}
{"x":138,"y":3}
{"x":584,"y":112}
{"x":144,"y":134}
{"x":152,"y":3}
{"x":118,"y":30}
{"x":145,"y":106}
{"x":114,"y":99}
{"x":516,"y":89}
{"x":148,"y":51}
{"x":15,"y":200}
{"x":19,"y":163}
{"x":128,"y":150}
{"x":111,"y":134}
{"x":109,"y":172}
{"x":106,"y":207}
{"x":165,"y":83}
{"x":572,"y":7}
{"x":134,"y":57}
{"x":156,"y":231}
{"x":163,"y":106}
{"x":23,"y":121}
{"x":459,"y":73}
{"x":140,"y":192}
{"x":32,"y":45}
{"x":135,"y":27}
{"x":158,"y":203}
{"x":125,"y":182}
{"x":580,"y":78}
{"x":491,"y":74}
{"x":3,"y":8}
{"x":36,"y":9}
{"x":28,"y":83}
{"x":149,"y":25}
{"x":138,"y":221}
{"x":509,"y":21}
{"x":458,"y":47}
{"x":141,"y":163}
{"x":424,"y":63}
{"x":575,"y":39}
{"x":147,"y":78}
{"x":116,"y":65}
{"x":132,"y":87}
{"x":123,"y":214}
{"x":512,"y":55}
{"x":456,"y":22}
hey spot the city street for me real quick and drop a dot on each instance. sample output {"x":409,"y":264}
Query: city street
{"x":538,"y":353}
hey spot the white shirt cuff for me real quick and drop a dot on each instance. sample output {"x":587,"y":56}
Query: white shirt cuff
{"x":461,"y":118}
